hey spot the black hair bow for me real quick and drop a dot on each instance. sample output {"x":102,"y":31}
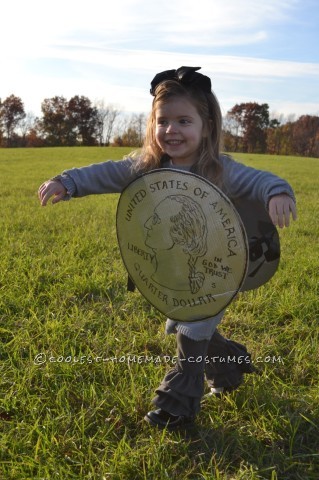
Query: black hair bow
{"x":184,"y":75}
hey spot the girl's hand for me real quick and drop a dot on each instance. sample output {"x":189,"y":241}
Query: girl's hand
{"x":280,"y":207}
{"x":49,"y":189}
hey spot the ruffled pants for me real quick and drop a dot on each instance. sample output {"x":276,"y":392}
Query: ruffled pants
{"x":223,"y":362}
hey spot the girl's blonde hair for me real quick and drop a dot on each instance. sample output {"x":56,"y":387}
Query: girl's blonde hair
{"x":208,"y":164}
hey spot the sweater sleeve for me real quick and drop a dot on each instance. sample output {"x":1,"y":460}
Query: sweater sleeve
{"x":242,"y":181}
{"x":98,"y":178}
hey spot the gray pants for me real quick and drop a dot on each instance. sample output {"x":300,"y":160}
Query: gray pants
{"x":222,"y":361}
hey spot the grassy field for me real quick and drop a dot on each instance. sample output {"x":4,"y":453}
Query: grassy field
{"x":81,"y":357}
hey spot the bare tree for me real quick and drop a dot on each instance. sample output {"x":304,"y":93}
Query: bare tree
{"x":138,"y":122}
{"x":130,"y":130}
{"x":107,"y":115}
{"x":27,"y":124}
{"x":232,"y":132}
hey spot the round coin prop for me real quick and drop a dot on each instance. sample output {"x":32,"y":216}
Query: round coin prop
{"x":182,"y":243}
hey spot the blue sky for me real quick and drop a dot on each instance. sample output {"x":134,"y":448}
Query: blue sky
{"x":253,"y":50}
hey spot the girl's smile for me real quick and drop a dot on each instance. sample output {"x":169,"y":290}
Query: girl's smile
{"x":179,"y":130}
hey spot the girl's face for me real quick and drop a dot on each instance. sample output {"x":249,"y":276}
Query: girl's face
{"x":179,"y":130}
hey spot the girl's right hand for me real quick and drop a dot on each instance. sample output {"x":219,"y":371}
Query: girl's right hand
{"x":51,"y":188}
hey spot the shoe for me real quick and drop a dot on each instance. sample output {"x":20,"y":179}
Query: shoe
{"x":217,"y":391}
{"x":160,"y":418}
{"x":220,"y":391}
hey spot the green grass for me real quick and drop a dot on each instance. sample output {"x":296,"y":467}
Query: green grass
{"x":63,"y":294}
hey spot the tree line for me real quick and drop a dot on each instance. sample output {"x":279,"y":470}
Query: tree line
{"x":247,"y":127}
{"x":72,"y":122}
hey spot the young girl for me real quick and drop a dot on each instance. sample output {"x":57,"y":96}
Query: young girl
{"x":184,"y":132}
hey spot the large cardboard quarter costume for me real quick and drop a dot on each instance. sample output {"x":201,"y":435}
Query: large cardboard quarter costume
{"x":183,"y":243}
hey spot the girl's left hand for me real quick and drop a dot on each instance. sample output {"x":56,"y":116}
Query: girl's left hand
{"x":280,"y":207}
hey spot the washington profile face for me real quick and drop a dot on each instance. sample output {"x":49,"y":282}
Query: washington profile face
{"x":182,"y":243}
{"x":157,"y":229}
{"x":177,"y":229}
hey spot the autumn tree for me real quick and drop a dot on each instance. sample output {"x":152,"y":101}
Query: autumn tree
{"x":295,"y":137}
{"x":54,"y":124}
{"x":129,"y":138}
{"x":70,"y":122}
{"x":82,"y":119}
{"x":305,"y":139}
{"x":253,"y":120}
{"x":11,"y":114}
{"x":274,"y":137}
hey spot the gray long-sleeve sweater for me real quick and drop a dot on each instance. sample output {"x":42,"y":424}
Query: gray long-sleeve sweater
{"x":239,"y":181}
{"x":112,"y":177}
